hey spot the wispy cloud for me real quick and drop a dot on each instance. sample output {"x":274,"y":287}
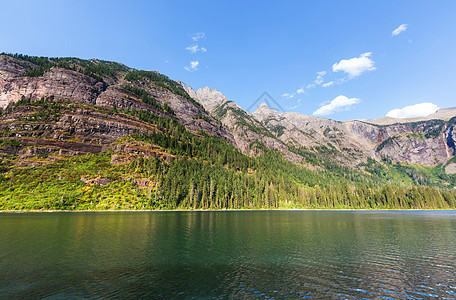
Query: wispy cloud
{"x":355,"y":66}
{"x":337,"y":104}
{"x":413,"y":111}
{"x":301,"y":90}
{"x":193,"y":66}
{"x":398,"y":30}
{"x":198,"y":35}
{"x":195,"y":48}
{"x":327,"y":84}
{"x":287,"y":95}
{"x":318,"y":81}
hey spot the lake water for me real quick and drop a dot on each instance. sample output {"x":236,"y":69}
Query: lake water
{"x":227,"y":254}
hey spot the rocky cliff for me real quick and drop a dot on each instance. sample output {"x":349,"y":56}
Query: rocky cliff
{"x":427,"y":141}
{"x":422,"y":142}
{"x":103,"y":84}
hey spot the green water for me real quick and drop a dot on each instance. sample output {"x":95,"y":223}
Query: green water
{"x":246,"y":254}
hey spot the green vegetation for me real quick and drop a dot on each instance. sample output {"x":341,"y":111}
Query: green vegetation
{"x":243,"y":120}
{"x":205,"y":172}
{"x":200,"y":116}
{"x":278,"y":130}
{"x":416,"y":135}
{"x":199,"y":184}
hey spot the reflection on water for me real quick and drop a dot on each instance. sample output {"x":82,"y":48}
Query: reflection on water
{"x":261,"y":254}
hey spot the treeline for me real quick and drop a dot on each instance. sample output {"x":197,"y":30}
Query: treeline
{"x":196,"y":184}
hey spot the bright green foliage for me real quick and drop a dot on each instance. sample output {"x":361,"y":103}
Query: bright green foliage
{"x":200,"y":184}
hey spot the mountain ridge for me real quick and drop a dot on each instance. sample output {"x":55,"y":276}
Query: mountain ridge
{"x":373,"y":140}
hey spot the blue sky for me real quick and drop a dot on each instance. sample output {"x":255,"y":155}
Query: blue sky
{"x":246,"y":48}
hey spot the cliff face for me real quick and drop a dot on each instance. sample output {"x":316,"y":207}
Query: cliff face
{"x":422,"y":142}
{"x":73,"y":85}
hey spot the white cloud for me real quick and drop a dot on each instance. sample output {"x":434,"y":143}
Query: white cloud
{"x":287,"y":95}
{"x":327,"y":84}
{"x":398,"y":30}
{"x":413,"y":111}
{"x":339,"y":103}
{"x":198,"y":36}
{"x":193,"y":66}
{"x":300,"y":91}
{"x":320,"y":75}
{"x":195,"y":48}
{"x":318,"y":81}
{"x":355,"y":66}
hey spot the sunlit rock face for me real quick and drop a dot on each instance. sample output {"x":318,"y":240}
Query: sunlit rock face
{"x":65,"y":84}
{"x":418,"y":140}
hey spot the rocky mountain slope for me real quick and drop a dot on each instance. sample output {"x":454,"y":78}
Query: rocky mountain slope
{"x":247,"y":131}
{"x":427,"y":142}
{"x":101,"y":83}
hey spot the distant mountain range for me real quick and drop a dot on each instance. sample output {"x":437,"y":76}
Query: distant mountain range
{"x":441,"y":114}
{"x":427,"y":141}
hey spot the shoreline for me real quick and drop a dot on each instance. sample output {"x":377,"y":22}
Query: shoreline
{"x":224,"y":210}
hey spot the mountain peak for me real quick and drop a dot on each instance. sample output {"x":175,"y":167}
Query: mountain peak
{"x":263,"y":111}
{"x":263,"y":105}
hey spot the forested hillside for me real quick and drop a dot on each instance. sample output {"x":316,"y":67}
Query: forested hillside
{"x":99,"y":135}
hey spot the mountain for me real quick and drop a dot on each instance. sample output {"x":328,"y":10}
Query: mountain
{"x":92,"y":134}
{"x":441,"y":114}
{"x":247,"y":131}
{"x":100,"y":83}
{"x":427,"y":142}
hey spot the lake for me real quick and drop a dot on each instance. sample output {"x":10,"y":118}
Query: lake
{"x":229,"y":254}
